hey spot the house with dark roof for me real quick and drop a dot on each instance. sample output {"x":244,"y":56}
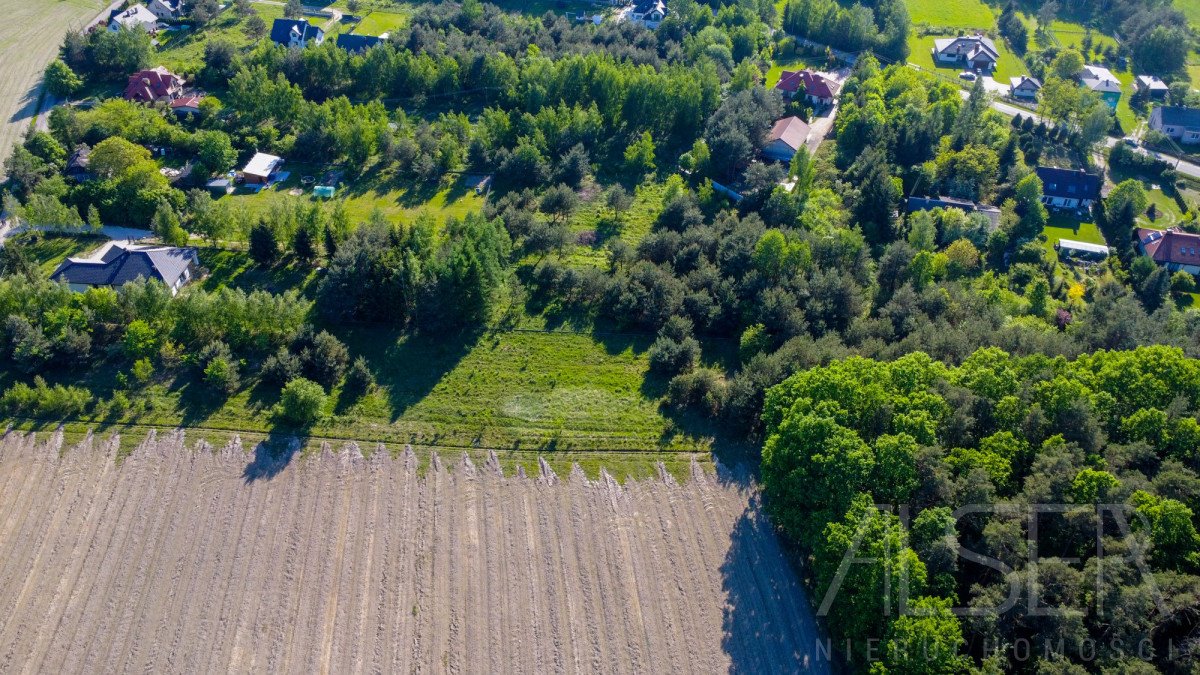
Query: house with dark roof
{"x":976,"y":52}
{"x":649,"y":13}
{"x":1103,"y":82}
{"x":117,"y":263}
{"x":153,"y":84}
{"x":816,"y":88}
{"x":77,"y":163}
{"x":785,"y":139}
{"x":1179,"y":123}
{"x":992,"y":213}
{"x":357,"y":44}
{"x":1150,"y":86}
{"x":1024,"y":87}
{"x":1172,"y":248}
{"x":1068,"y":188}
{"x":296,"y":33}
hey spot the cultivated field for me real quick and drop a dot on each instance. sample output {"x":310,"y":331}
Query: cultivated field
{"x":29,"y":37}
{"x":182,"y":559}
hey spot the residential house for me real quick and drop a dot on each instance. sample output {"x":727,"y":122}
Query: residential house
{"x":1068,"y":188}
{"x":785,"y":139}
{"x":296,"y":33}
{"x":975,"y":52}
{"x":992,"y":213}
{"x":1173,"y":248}
{"x":814,"y":87}
{"x":165,"y":9}
{"x":77,"y":163}
{"x":119,"y":263}
{"x":1103,"y":82}
{"x":186,"y":105}
{"x":357,"y":44}
{"x":649,"y":13}
{"x":260,"y":167}
{"x":135,"y":17}
{"x":153,"y":84}
{"x":1151,"y":87}
{"x":1024,"y":87}
{"x":1179,"y":123}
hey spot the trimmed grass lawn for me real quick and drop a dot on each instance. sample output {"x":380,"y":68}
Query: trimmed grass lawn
{"x":1166,"y":210}
{"x":378,"y":23}
{"x":1194,"y":73}
{"x":786,"y":63}
{"x":956,"y":13}
{"x":1125,"y":114}
{"x":921,"y":54}
{"x":1065,"y":227}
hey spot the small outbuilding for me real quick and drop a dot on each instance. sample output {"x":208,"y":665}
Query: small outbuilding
{"x":1151,"y":86}
{"x":1081,"y":249}
{"x":260,"y":167}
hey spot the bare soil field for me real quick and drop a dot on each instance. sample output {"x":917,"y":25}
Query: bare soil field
{"x":182,"y":558}
{"x":30,"y":35}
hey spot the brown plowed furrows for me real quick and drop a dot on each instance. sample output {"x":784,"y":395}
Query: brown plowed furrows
{"x":182,"y":558}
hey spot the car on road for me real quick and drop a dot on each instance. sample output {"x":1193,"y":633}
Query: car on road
{"x":1130,"y":141}
{"x":968,"y":76}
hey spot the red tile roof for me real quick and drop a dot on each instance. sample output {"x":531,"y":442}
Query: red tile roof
{"x":189,"y":101}
{"x":150,"y":85}
{"x":791,"y":130}
{"x":1173,"y":246}
{"x":812,"y":84}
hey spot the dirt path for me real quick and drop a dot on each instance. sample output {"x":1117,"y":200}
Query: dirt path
{"x":174,"y":560}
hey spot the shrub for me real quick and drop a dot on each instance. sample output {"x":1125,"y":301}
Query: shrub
{"x":142,"y":370}
{"x":302,"y":401}
{"x":675,"y":350}
{"x":281,"y":367}
{"x":42,"y":400}
{"x":140,"y":340}
{"x":359,"y":379}
{"x":326,"y":360}
{"x":221,"y":374}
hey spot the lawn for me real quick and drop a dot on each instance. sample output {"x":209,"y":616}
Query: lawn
{"x":921,"y":54}
{"x":594,"y":223}
{"x":952,"y":13}
{"x":1194,"y":73}
{"x":48,"y":250}
{"x":1125,"y":114}
{"x":394,"y":197}
{"x":378,"y":23}
{"x":1191,"y":9}
{"x":781,"y":64}
{"x":1071,"y":35}
{"x":1166,"y":211}
{"x":1066,"y":227}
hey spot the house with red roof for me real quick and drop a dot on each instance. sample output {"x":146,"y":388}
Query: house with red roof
{"x":188,"y":104}
{"x":153,"y":84}
{"x":814,"y":87}
{"x":785,"y":139}
{"x":1172,"y":248}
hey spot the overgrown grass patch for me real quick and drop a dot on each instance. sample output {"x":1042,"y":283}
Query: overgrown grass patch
{"x":957,"y":13}
{"x":380,"y":22}
{"x":47,"y":250}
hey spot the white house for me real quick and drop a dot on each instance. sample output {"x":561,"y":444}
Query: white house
{"x":1024,"y":87}
{"x":165,"y":9}
{"x":134,"y":17}
{"x":966,"y":51}
{"x":649,"y":13}
{"x":1181,"y":124}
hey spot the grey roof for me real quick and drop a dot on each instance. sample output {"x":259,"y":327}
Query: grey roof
{"x":282,"y":29}
{"x":1068,"y":183}
{"x":1098,"y":78}
{"x":1177,"y":116}
{"x":118,"y":264}
{"x":357,"y":43}
{"x":969,"y":45}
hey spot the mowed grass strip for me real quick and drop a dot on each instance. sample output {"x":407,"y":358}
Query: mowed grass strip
{"x":951,"y":13}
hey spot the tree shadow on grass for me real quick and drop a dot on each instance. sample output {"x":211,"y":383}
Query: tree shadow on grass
{"x":768,"y":623}
{"x":409,"y":365}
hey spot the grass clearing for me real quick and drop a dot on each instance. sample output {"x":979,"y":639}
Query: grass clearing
{"x":48,"y":250}
{"x":1065,"y":227}
{"x":30,"y":36}
{"x":952,"y":13}
{"x":378,"y":23}
{"x":596,"y":218}
{"x":780,"y":65}
{"x":1190,"y":9}
{"x":393,"y":196}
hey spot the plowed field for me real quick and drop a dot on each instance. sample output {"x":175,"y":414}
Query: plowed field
{"x":185,"y":559}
